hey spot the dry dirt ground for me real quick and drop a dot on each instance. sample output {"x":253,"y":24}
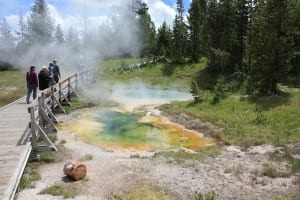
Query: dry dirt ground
{"x":232,"y":174}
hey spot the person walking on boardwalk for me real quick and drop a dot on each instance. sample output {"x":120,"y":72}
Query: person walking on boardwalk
{"x":54,"y":69}
{"x":32,"y":83}
{"x":44,"y":78}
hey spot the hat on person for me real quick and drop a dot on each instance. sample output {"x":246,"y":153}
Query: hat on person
{"x":44,"y":67}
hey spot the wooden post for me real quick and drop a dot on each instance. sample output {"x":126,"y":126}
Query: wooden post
{"x":43,"y":98}
{"x":52,"y":99}
{"x":60,"y":93}
{"x":76,"y":82}
{"x":69,"y":89}
{"x":41,"y":107}
{"x":33,"y":128}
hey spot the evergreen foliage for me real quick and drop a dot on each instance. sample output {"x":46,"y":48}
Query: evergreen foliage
{"x":164,"y":40}
{"x":40,"y":24}
{"x":197,"y":18}
{"x":148,"y":31}
{"x":59,"y":35}
{"x":271,"y":46}
{"x":179,"y":34}
{"x":22,"y":43}
{"x":255,"y":42}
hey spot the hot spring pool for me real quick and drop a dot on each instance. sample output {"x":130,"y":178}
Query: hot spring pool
{"x":113,"y":128}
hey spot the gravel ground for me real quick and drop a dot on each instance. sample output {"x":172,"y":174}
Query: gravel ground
{"x":232,"y":174}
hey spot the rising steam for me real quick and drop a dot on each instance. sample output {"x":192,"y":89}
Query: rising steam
{"x":116,"y":33}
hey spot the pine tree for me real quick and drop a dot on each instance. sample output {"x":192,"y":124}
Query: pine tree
{"x":59,"y":35}
{"x":6,"y":37}
{"x":295,"y":16}
{"x":164,"y":37}
{"x":243,"y":14}
{"x":40,"y":24}
{"x":179,"y":34}
{"x":72,"y":40}
{"x":22,"y":30}
{"x":148,"y":31}
{"x":216,"y":41}
{"x":22,"y":43}
{"x":226,"y":30}
{"x":271,"y":45}
{"x":197,"y":18}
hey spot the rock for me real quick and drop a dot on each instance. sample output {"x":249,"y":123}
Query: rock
{"x":262,"y":149}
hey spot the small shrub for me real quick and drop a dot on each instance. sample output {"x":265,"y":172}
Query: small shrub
{"x":195,"y":91}
{"x":181,"y":156}
{"x":57,"y":190}
{"x":28,"y":178}
{"x":48,"y":156}
{"x":260,"y":117}
{"x":86,"y":157}
{"x":147,"y":193}
{"x":296,"y":166}
{"x":208,"y":196}
{"x":236,"y":170}
{"x":286,"y":156}
{"x":219,"y":91}
{"x":135,"y":156}
{"x":271,"y":171}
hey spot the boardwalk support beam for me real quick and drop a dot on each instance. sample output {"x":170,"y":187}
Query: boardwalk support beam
{"x":42,"y":109}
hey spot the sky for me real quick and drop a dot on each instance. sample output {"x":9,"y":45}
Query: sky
{"x":94,"y":13}
{"x":71,"y":13}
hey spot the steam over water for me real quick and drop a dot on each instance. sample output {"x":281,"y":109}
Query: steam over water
{"x":135,"y":96}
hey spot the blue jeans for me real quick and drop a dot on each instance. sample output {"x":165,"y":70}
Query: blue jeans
{"x":31,"y":89}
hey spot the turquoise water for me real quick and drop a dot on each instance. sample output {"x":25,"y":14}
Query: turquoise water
{"x":124,"y":128}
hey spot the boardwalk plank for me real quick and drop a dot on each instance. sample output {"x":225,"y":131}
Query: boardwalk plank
{"x":13,"y":124}
{"x":14,"y":130}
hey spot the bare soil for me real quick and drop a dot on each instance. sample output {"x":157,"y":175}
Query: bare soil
{"x":233,"y":174}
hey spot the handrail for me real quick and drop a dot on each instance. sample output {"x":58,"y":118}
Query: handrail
{"x":42,"y":109}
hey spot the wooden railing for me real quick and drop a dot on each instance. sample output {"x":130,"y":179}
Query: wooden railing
{"x":50,"y":101}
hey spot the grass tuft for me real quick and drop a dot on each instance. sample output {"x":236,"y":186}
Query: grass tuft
{"x":58,"y":190}
{"x":181,"y":156}
{"x":29,"y":177}
{"x":207,"y":196}
{"x":86,"y":157}
{"x":149,"y":193}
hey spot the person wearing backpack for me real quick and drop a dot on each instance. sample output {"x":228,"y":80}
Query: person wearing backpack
{"x":45,"y":78}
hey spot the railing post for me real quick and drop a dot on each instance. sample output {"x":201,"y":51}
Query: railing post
{"x":52,"y":99}
{"x":33,"y":128}
{"x":76,"y":82}
{"x":59,"y":93}
{"x":43,"y":98}
{"x":69,"y":89}
{"x":41,"y":106}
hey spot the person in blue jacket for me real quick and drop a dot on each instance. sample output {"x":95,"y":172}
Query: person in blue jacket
{"x":54,"y":70}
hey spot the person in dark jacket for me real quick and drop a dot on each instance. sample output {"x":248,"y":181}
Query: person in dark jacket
{"x":32,"y":83}
{"x":44,"y":78}
{"x":54,"y":69}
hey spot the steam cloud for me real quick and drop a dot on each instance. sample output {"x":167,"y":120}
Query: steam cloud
{"x":114,"y":34}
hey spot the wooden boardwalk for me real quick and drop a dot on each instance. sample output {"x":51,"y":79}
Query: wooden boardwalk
{"x":15,"y":147}
{"x":18,"y":140}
